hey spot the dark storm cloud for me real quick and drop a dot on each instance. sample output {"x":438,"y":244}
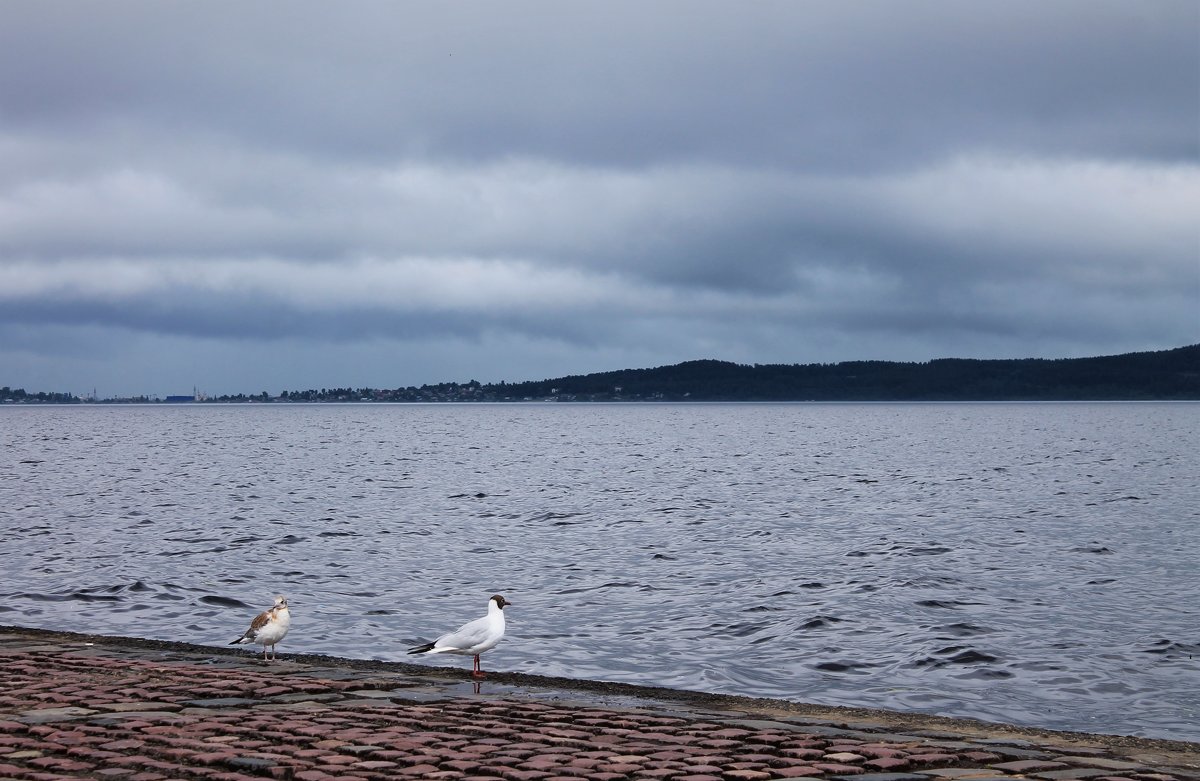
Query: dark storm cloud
{"x":557,"y":188}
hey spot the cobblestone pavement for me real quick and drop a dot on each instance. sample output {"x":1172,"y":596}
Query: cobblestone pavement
{"x":96,"y":708}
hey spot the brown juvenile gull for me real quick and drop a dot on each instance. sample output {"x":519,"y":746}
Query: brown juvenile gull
{"x":268,"y":627}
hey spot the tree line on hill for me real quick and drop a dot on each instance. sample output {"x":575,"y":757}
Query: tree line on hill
{"x":19,"y":396}
{"x":1162,"y":375}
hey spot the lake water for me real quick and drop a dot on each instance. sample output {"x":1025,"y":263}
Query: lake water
{"x":1029,"y":563}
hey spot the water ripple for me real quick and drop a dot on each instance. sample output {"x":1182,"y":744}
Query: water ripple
{"x":1024,"y":563}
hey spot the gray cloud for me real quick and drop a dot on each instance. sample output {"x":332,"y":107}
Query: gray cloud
{"x":612,"y":84}
{"x":560,"y":188}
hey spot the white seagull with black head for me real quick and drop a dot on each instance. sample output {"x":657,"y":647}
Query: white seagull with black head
{"x":473,"y":638}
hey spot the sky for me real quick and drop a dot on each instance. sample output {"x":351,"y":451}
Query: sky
{"x":247,"y":197}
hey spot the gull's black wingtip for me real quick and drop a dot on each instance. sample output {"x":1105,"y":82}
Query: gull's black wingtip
{"x":421,"y":649}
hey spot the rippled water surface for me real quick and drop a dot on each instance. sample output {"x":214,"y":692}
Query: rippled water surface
{"x":1030,"y":563}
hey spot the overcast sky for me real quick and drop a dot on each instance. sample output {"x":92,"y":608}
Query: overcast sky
{"x":280,"y":196}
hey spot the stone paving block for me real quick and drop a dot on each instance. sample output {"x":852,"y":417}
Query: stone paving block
{"x":929,"y":760}
{"x":797,"y":771}
{"x":251,"y":763}
{"x":658,"y":774}
{"x":47,"y":715}
{"x":881,"y":751}
{"x":1105,"y":762}
{"x":1028,"y":766}
{"x":834,"y":769}
{"x":123,"y":745}
{"x":803,"y":753}
{"x":310,"y":775}
{"x":746,"y":775}
{"x":1071,"y":774}
{"x":1014,"y":753}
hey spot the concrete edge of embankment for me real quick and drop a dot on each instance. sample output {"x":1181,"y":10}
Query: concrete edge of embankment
{"x":454,"y":683}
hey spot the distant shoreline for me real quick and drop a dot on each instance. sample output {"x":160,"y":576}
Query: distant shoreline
{"x":1164,"y":375}
{"x":608,"y":403}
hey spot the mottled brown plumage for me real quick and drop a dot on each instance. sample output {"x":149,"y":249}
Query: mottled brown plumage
{"x":268,"y":627}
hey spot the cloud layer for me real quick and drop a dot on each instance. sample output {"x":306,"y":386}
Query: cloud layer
{"x":284,"y":196}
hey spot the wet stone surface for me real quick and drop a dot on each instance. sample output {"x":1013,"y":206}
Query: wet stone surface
{"x":110,"y":711}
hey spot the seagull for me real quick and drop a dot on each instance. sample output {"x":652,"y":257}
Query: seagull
{"x":472,"y":638}
{"x":268,"y":627}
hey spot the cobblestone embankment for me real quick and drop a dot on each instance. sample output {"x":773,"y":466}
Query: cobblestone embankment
{"x":75,"y":706}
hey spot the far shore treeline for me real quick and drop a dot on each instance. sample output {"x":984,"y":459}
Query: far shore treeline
{"x":1144,"y":376}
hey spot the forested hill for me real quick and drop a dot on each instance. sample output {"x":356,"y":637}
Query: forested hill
{"x":1164,"y":375}
{"x":1167,"y":374}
